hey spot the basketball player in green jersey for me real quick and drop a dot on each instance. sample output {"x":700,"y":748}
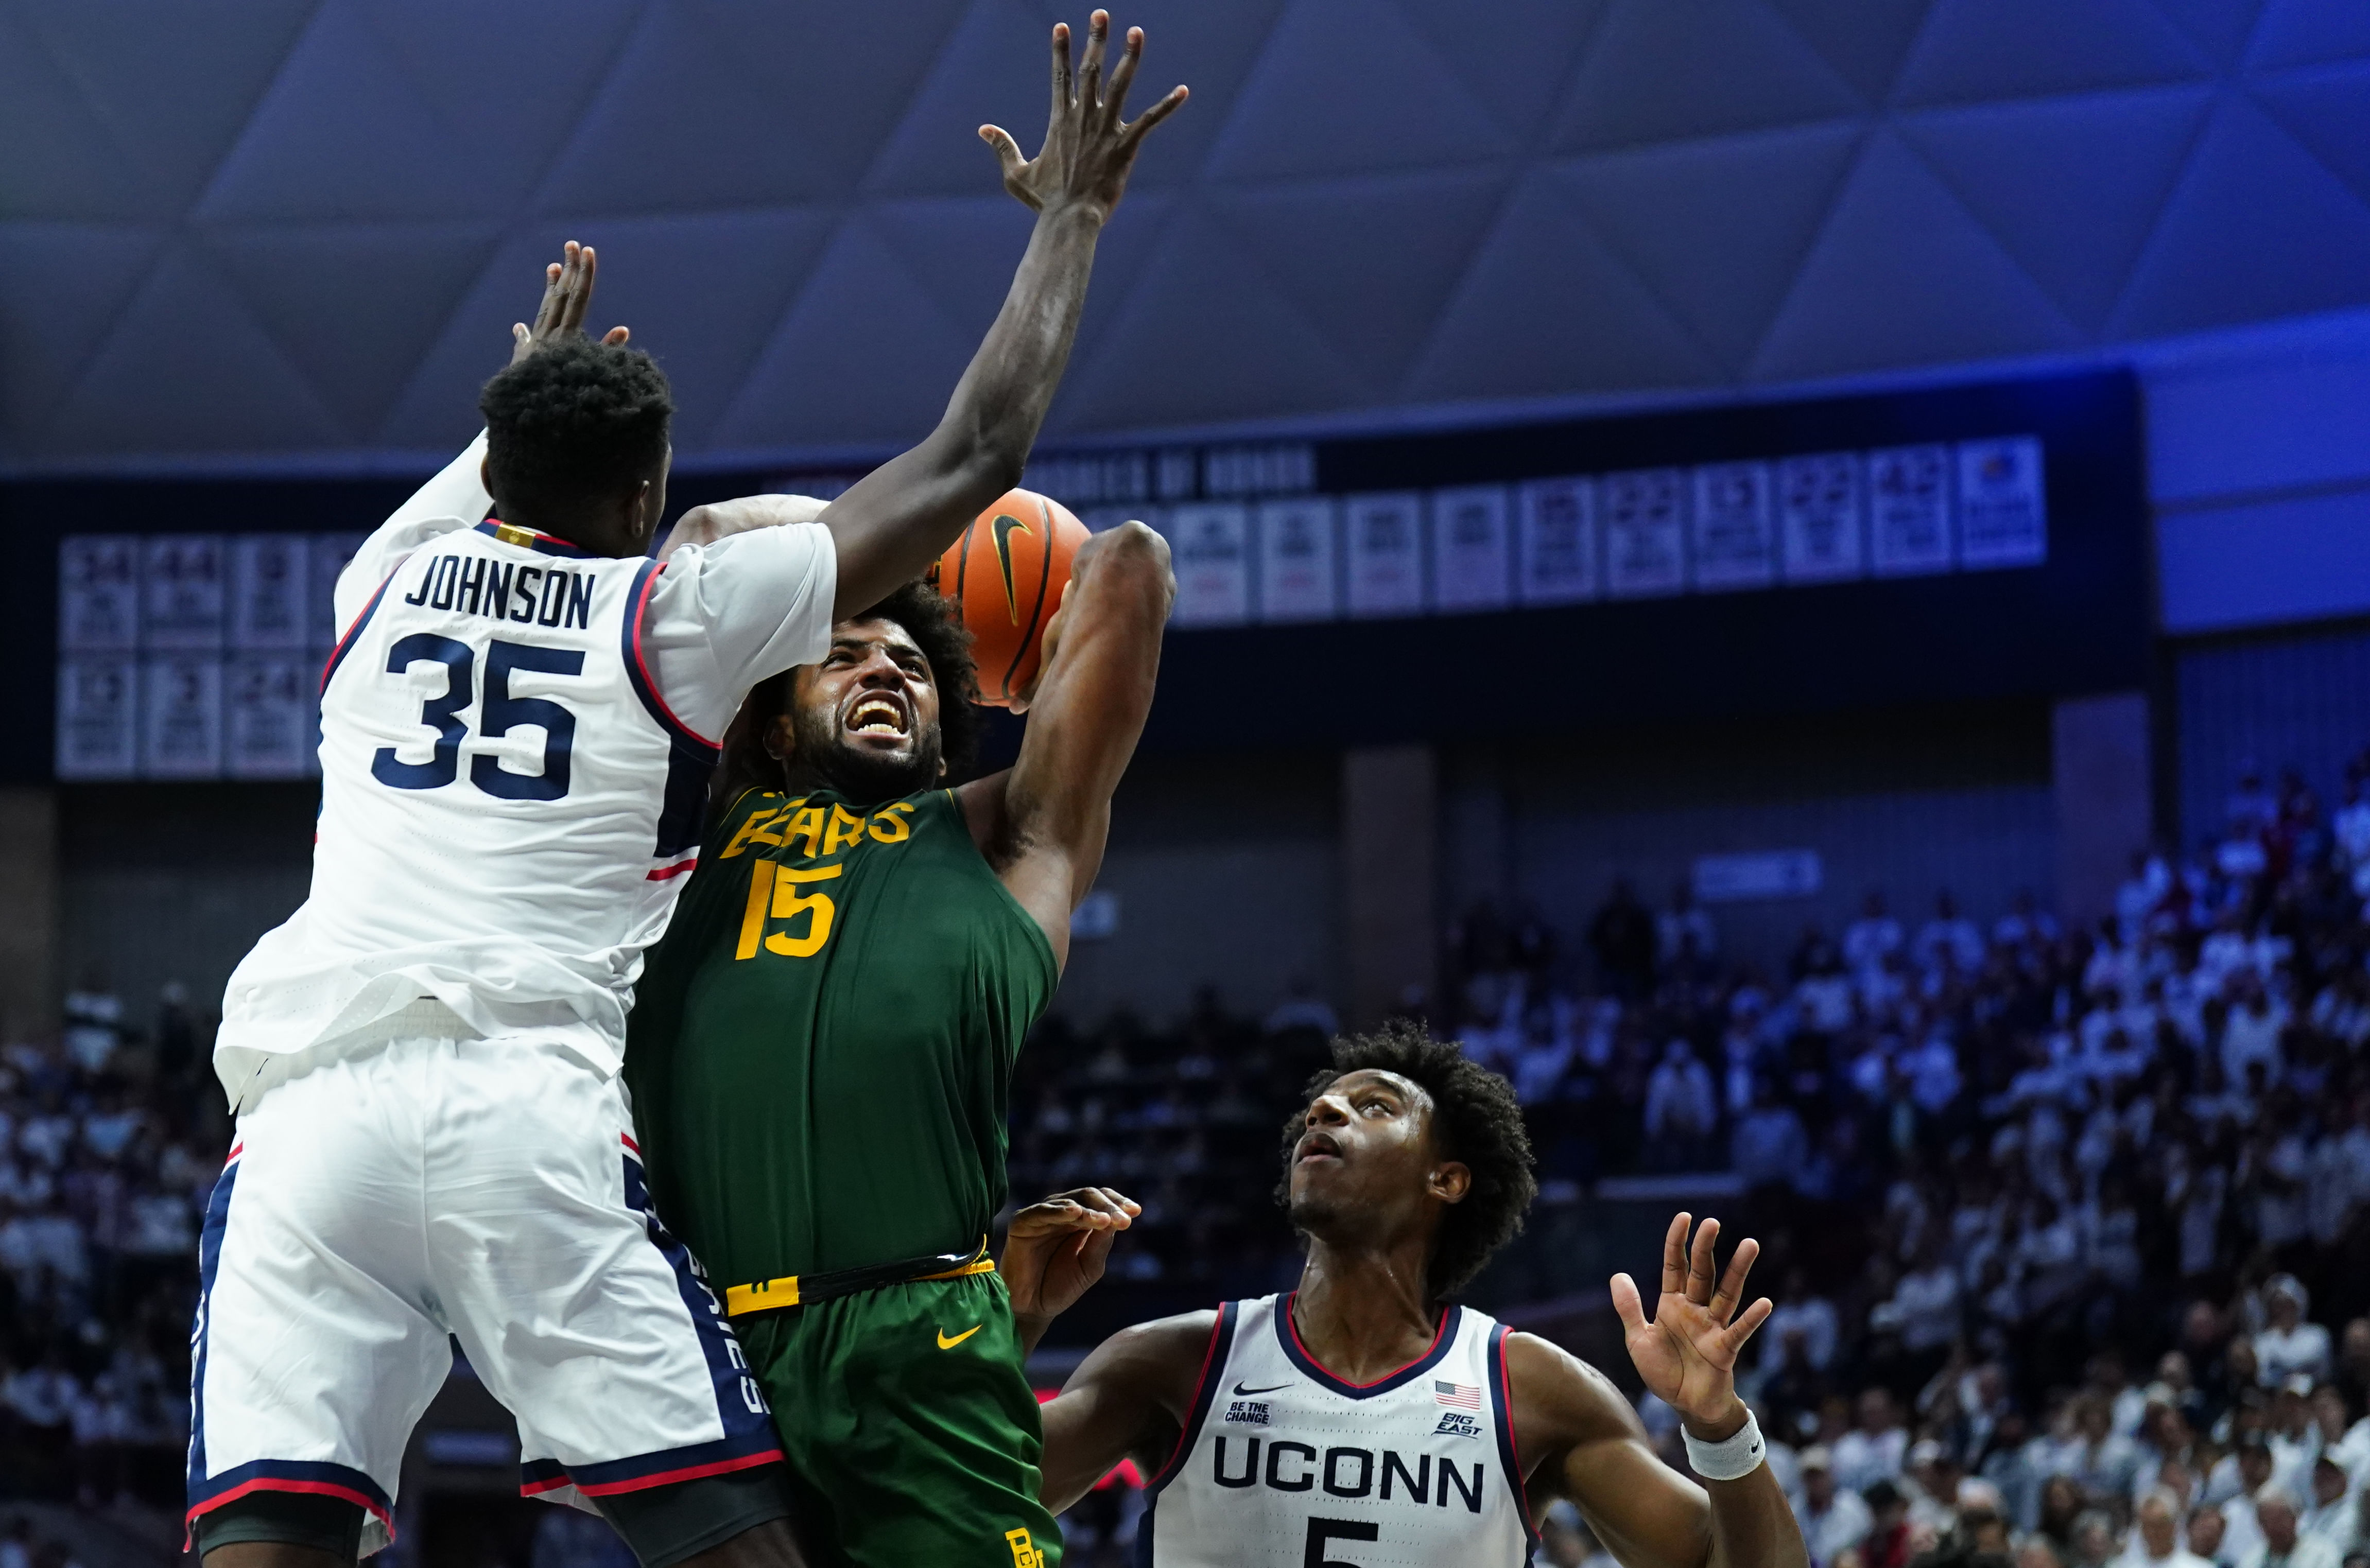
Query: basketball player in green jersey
{"x":822,"y":1048}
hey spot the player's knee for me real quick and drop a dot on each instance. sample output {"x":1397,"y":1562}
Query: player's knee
{"x":281,"y":1529}
{"x":739,"y":1519}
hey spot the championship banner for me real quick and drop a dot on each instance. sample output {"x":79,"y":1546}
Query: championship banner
{"x":2002,"y":505}
{"x":1821,"y":501}
{"x":1556,"y":533}
{"x":270,"y":584}
{"x":1471,"y":561}
{"x":1909,"y":509}
{"x":1209,"y":545}
{"x":1734,"y":542}
{"x":1644,"y":519}
{"x":99,"y":593}
{"x":270,"y":718}
{"x":1299,"y":574}
{"x":180,"y":717}
{"x":1385,"y":555}
{"x":98,"y":725}
{"x":183,"y":591}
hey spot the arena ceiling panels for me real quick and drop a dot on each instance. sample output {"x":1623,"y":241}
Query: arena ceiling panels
{"x":298,"y":230}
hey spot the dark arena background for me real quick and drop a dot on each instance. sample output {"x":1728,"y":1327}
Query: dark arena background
{"x":1794,"y":575}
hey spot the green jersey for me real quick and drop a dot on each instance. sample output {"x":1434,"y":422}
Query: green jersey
{"x":821,"y":1050}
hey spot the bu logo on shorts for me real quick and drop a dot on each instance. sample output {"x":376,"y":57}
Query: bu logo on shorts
{"x":1024,"y":1552}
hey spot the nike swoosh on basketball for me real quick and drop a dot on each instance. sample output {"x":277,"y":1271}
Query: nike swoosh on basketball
{"x":1005,"y":524}
{"x":1247,"y":1388}
{"x":946,"y":1344}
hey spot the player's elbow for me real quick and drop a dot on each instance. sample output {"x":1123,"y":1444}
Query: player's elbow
{"x":1137,"y":559}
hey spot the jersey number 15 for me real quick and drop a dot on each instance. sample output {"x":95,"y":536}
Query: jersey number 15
{"x":442,"y":714}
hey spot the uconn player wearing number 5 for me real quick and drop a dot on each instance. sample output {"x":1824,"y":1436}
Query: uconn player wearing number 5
{"x":517,"y":727}
{"x":1366,"y":1420}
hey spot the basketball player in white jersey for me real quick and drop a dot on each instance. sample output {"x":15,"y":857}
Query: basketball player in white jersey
{"x":517,"y":725}
{"x":1364,"y":1420}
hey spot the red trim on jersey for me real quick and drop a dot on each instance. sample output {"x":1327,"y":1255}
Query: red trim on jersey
{"x":1506,"y":1391}
{"x":1185,"y":1433}
{"x":677,"y":869}
{"x":668,"y":1477}
{"x":309,"y":1488}
{"x":550,"y":1483}
{"x":637,"y":610}
{"x":236,"y":1150}
{"x":627,"y":1139}
{"x":1293,"y":1329}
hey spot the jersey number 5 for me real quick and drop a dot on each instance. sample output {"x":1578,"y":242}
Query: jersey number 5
{"x":442,"y":714}
{"x":774,"y":892}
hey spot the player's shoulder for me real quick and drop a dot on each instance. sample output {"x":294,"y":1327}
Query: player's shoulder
{"x":1575,"y":1399}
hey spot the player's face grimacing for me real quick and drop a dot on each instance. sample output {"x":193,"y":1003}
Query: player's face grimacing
{"x":866,"y":719}
{"x":1367,"y":1158}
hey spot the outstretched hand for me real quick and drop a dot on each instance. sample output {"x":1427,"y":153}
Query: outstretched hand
{"x":567,"y":293}
{"x":1089,"y":148}
{"x":1055,"y":1249}
{"x":1687,"y":1352}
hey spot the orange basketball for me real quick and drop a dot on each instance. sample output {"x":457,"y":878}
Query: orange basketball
{"x":1006,"y":574}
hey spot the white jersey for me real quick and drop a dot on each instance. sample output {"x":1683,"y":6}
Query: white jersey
{"x":511,"y":790}
{"x":1282,"y":1464}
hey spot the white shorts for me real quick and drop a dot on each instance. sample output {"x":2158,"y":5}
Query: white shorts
{"x":488,"y":1189}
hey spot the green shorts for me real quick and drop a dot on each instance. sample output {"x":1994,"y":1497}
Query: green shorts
{"x":912,"y":1431}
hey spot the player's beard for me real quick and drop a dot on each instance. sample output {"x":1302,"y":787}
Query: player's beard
{"x":865,"y":778}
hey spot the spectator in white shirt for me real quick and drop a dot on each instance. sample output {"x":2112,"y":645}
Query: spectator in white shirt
{"x":1873,"y":938}
{"x":1769,"y":1144}
{"x":1924,"y":1307}
{"x":1874,"y":1450}
{"x":1685,"y":919}
{"x":1834,"y":1519}
{"x":2282,"y":1546}
{"x":2335,"y":1513}
{"x":2241,"y":1531}
{"x":2289,"y":1346}
{"x":1682,"y":1107}
{"x":2252,"y":1033}
{"x":1949,"y":937}
{"x":2155,"y":1537}
{"x":1805,"y":1312}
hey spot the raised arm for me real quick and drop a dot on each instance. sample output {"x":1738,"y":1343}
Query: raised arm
{"x":1042,"y":823}
{"x":1592,"y":1448}
{"x":894,"y":521}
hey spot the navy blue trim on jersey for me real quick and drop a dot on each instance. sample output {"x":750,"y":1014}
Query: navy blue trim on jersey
{"x":1451,"y":1320}
{"x":1502,"y":1410}
{"x":629,"y":640}
{"x":1205,"y":1390}
{"x":210,"y":1243}
{"x":346,"y":643}
{"x":541,"y":544}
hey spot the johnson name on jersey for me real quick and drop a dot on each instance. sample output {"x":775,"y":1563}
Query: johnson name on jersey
{"x":507,"y":807}
{"x":1280,"y":1464}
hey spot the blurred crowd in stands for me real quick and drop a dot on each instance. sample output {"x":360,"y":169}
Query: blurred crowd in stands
{"x":111,"y":1138}
{"x":2070,"y":1229}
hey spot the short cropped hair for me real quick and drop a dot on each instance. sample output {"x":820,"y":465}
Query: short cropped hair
{"x":1477,"y":1122}
{"x":574,"y":423}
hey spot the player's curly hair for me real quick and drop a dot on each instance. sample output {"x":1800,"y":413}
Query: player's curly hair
{"x":937,"y":629}
{"x":573,"y":422}
{"x":1477,"y":1123}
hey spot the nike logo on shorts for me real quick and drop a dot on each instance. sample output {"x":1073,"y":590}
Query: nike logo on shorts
{"x":947,"y":1344}
{"x":1246,"y":1389}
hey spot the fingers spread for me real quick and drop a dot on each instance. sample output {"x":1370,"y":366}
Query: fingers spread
{"x":1155,"y":115}
{"x":1752,"y":1318}
{"x":1626,"y":1304}
{"x":1732,"y":1282}
{"x":1674,"y":1253}
{"x":1700,"y":1271}
{"x":1115,"y":97}
{"x":1090,"y":69}
{"x":1060,"y":68}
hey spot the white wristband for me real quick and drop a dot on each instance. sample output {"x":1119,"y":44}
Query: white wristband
{"x":1733,"y":1457}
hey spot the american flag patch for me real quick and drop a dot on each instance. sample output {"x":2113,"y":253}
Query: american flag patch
{"x":1460,"y":1396}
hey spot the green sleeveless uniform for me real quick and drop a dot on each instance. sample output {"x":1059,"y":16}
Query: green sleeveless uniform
{"x":820,"y":1057}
